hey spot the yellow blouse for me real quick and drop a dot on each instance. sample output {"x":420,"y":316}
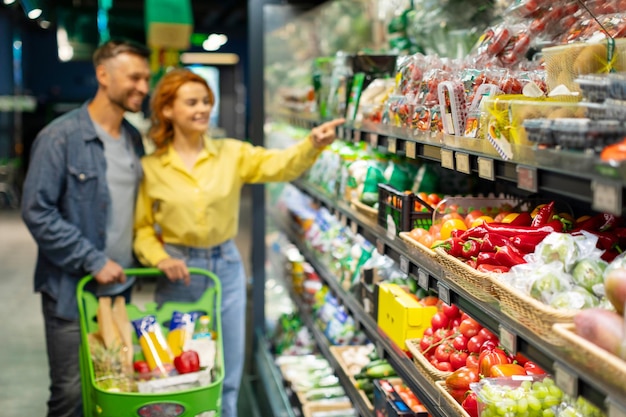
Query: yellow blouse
{"x":201,"y":208}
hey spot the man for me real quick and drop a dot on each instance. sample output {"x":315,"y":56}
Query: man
{"x":78,"y":203}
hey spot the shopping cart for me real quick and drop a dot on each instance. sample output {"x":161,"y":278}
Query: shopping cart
{"x":203,"y":401}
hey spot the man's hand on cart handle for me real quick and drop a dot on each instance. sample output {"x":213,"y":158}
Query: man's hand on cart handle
{"x":111,"y":273}
{"x":175,"y":270}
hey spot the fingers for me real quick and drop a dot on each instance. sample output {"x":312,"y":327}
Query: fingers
{"x":325,"y":134}
{"x":175,"y":270}
{"x":334,"y":123}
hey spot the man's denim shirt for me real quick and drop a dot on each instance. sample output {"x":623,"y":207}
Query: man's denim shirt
{"x":65,"y":205}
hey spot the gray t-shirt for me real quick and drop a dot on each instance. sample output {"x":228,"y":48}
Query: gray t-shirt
{"x":122,"y":179}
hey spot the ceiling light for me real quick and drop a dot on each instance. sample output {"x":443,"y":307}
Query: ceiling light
{"x":214,"y":41}
{"x":8,"y":1}
{"x":31,"y":8}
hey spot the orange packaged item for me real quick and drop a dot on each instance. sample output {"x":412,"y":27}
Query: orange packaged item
{"x":153,"y":345}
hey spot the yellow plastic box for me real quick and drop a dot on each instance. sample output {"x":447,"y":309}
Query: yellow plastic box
{"x":400,"y":315}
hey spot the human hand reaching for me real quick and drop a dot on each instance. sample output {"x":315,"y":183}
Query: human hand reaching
{"x":175,"y":270}
{"x":324,"y":134}
{"x":111,"y":273}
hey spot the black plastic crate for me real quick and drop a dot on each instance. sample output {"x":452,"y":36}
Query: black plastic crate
{"x":396,"y":210}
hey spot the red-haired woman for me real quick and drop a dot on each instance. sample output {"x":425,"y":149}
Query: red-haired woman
{"x":188,"y":204}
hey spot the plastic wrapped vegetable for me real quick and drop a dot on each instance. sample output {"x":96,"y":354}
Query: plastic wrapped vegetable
{"x":589,"y":272}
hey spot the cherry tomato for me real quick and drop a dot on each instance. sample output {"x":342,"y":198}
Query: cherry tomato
{"x":484,"y":332}
{"x":488,"y":345}
{"x":425,"y":343}
{"x":444,"y":367}
{"x":451,"y":311}
{"x":443,"y":351}
{"x":440,"y":334}
{"x":532,"y":368}
{"x":472,"y":360}
{"x":460,"y":342}
{"x":475,"y":343}
{"x":458,"y":359}
{"x":521,"y":359}
{"x":439,"y":321}
{"x":469,"y":327}
{"x":455,"y":323}
{"x":428,"y":332}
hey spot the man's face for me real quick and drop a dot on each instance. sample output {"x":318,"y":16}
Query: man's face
{"x":126,"y":80}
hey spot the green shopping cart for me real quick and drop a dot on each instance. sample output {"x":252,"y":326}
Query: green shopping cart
{"x":203,"y":401}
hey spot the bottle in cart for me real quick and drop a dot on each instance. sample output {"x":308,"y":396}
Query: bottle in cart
{"x":203,"y":328}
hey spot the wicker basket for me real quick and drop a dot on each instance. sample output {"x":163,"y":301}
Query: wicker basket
{"x":417,"y":245}
{"x":478,"y":284}
{"x":591,"y":357}
{"x":337,"y":353}
{"x":370,"y":212}
{"x":422,"y":363}
{"x":533,"y":314}
{"x":441,"y":387}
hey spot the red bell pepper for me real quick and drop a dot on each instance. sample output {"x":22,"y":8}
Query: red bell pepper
{"x":509,"y":256}
{"x":609,"y":255}
{"x":544,"y":215}
{"x":187,"y":362}
{"x":477,"y":232}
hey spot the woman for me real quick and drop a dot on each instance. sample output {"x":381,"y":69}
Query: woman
{"x":188,"y":204}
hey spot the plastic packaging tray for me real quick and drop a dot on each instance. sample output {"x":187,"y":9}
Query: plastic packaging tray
{"x":539,"y":131}
{"x":587,"y":133}
{"x":617,"y":86}
{"x":595,"y":88}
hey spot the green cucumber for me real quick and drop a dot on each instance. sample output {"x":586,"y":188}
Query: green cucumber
{"x":373,"y":364}
{"x":381,"y":371}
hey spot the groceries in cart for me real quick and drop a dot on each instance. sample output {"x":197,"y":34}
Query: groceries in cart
{"x":169,"y":358}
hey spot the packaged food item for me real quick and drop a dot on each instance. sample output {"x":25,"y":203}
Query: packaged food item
{"x":153,"y":345}
{"x":586,"y":133}
{"x":181,"y":329}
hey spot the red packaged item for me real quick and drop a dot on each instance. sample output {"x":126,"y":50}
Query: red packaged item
{"x":497,"y":43}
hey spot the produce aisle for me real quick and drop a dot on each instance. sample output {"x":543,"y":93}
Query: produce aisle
{"x":354,"y":252}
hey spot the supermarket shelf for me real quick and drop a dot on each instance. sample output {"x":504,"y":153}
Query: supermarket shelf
{"x":575,"y":176}
{"x":405,"y":368}
{"x":428,"y":274}
{"x":271,"y":393}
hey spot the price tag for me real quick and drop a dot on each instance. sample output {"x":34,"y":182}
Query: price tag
{"x":566,"y":380}
{"x":508,"y":340}
{"x":343,"y":219}
{"x":422,"y":279}
{"x":411,"y":149}
{"x":607,"y":197}
{"x":354,"y":226}
{"x":527,"y":178}
{"x":347,"y":133}
{"x":447,"y":159}
{"x":614,"y":408}
{"x":380,"y":246}
{"x":340,"y":132}
{"x":380,"y":349}
{"x":373,"y":140}
{"x":356,"y":135}
{"x":404,"y":264}
{"x":444,"y":292}
{"x":392,"y":145}
{"x":462,"y":162}
{"x":485,"y":168}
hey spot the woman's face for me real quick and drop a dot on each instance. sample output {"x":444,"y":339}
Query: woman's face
{"x":191,"y":108}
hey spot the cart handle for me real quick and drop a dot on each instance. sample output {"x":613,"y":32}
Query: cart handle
{"x":150,"y":272}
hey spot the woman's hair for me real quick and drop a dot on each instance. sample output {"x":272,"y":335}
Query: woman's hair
{"x":161,"y":129}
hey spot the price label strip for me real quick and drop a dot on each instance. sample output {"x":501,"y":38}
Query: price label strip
{"x":373,"y":140}
{"x":566,"y":379}
{"x":527,"y":178}
{"x":357,"y":136}
{"x":444,"y":292}
{"x":380,"y":246}
{"x":607,"y":197}
{"x":404,"y":264}
{"x":411,"y":149}
{"x":485,"y":168}
{"x":392,"y":145}
{"x":343,"y":219}
{"x":354,"y":226}
{"x":462,"y":162}
{"x":341,"y":132}
{"x":422,"y":279}
{"x":447,"y":159}
{"x":508,"y":340}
